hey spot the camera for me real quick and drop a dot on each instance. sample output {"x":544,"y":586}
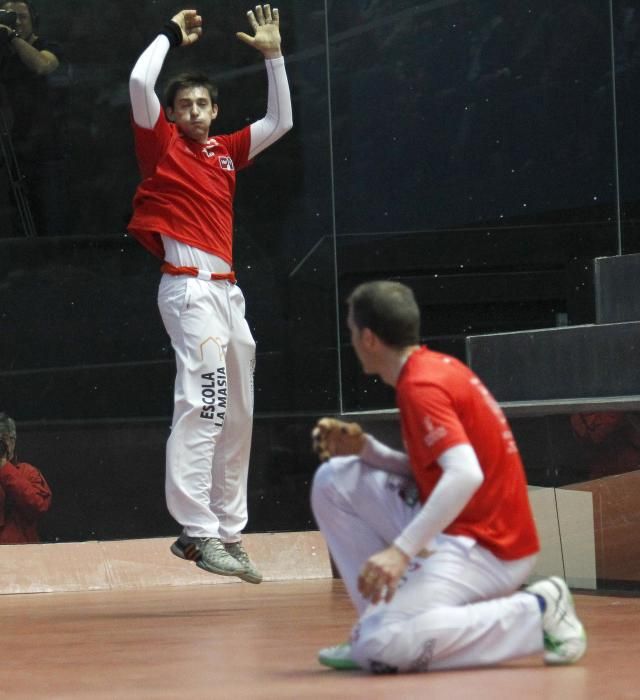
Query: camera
{"x":8,"y":18}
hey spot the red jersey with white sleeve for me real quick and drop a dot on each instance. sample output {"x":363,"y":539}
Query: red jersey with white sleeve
{"x":443,"y":404}
{"x":188,"y":188}
{"x":24,"y":497}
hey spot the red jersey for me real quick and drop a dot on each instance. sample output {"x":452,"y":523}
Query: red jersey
{"x":188,"y":188}
{"x":442,"y":404}
{"x":24,"y":497}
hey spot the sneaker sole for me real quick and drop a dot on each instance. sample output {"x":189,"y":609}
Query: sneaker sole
{"x":215,"y":570}
{"x":339,"y":664}
{"x":250,"y":578}
{"x":578,"y":647}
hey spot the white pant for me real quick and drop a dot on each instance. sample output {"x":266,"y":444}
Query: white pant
{"x":208,"y":449}
{"x":457,"y":607}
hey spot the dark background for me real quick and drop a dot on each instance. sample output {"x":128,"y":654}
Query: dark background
{"x":484,"y":152}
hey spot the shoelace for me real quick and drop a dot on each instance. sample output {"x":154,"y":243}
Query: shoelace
{"x":237,"y":552}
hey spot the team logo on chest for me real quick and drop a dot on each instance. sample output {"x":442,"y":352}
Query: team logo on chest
{"x":226,"y":163}
{"x":209,"y":151}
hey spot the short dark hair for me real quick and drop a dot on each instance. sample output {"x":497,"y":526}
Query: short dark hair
{"x":189,"y":80}
{"x":389,"y":309}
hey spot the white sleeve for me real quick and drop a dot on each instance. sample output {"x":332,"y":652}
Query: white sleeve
{"x":381,"y":456}
{"x":461,"y":478}
{"x":145,"y":104}
{"x":278,"y":119}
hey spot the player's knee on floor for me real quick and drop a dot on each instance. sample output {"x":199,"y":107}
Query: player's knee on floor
{"x":383,"y":645}
{"x":378,"y":646}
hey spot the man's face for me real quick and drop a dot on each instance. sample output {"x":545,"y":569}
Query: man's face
{"x":193,"y":113}
{"x":24,"y":26}
{"x":10,"y":441}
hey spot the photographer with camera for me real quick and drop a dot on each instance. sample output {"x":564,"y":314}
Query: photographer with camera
{"x":31,"y":113}
{"x":32,"y":51}
{"x":24,"y":494}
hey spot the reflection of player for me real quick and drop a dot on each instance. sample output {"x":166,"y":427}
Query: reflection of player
{"x":611,"y":441}
{"x":184,"y":213}
{"x":26,"y":61}
{"x":24,"y":494}
{"x":433,"y":578}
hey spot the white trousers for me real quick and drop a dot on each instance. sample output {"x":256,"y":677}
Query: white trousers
{"x":208,"y":449}
{"x":455,"y":608}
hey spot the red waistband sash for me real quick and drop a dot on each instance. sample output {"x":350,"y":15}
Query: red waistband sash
{"x":170,"y":269}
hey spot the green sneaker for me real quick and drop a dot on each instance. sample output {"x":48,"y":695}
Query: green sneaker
{"x":338,"y":657}
{"x":209,"y":554}
{"x":565,"y":640}
{"x":250,"y":573}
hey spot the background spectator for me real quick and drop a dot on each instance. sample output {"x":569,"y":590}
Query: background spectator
{"x":24,"y":494}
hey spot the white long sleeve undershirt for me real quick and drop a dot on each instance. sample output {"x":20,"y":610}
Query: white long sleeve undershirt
{"x":461,"y":477}
{"x":146,"y":105}
{"x":279,"y":117}
{"x":381,"y":456}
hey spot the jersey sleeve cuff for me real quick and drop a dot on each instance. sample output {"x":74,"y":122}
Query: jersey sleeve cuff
{"x":408,"y":547}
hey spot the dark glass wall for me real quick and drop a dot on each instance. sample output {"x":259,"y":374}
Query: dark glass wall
{"x":483,"y":152}
{"x":485,"y":170}
{"x":626,"y":42}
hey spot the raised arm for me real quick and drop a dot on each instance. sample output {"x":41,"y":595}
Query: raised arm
{"x":265,"y":24}
{"x":184,"y":29}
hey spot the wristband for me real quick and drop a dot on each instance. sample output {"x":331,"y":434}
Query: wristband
{"x":173,"y":32}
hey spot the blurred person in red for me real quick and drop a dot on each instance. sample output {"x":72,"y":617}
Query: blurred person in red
{"x":24,"y":493}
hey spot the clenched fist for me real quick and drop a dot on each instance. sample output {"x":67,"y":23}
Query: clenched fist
{"x":332,"y":437}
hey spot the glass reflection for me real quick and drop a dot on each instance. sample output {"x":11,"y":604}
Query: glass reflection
{"x":626,"y":38}
{"x":25,"y":495}
{"x":32,"y":117}
{"x":482,"y":112}
{"x":586,"y":467}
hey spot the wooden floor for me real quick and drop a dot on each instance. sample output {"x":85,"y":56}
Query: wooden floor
{"x":243,"y":641}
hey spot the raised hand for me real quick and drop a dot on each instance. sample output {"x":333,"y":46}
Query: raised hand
{"x":265,"y":24}
{"x":190,"y":24}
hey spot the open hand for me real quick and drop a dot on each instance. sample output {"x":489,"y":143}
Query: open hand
{"x":190,"y":23}
{"x":265,"y":24}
